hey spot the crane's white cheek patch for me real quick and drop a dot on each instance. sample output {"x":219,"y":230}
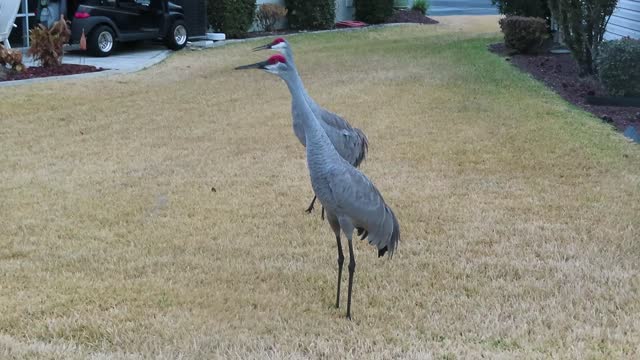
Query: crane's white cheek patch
{"x":279,"y":46}
{"x":271,"y":68}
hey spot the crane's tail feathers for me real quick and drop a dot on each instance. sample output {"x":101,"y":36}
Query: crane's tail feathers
{"x":363,"y":147}
{"x":395,"y":236}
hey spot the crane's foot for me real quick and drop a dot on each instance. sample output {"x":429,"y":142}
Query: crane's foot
{"x":310,"y":208}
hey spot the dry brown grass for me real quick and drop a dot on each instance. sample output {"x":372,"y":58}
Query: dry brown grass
{"x":519,"y":212}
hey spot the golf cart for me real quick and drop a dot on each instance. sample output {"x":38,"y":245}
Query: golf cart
{"x":105,"y":22}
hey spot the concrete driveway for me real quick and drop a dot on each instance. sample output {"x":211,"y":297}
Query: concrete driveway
{"x":461,"y":7}
{"x":125,"y":59}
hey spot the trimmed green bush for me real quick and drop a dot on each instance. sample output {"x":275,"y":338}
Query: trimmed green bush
{"x":528,"y":8}
{"x":618,"y":64}
{"x":421,"y":5}
{"x":373,"y":11}
{"x":232,"y":17}
{"x":524,"y":34}
{"x":311,"y":14}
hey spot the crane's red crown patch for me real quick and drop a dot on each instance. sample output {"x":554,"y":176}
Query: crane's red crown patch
{"x":277,"y":58}
{"x":277,"y":41}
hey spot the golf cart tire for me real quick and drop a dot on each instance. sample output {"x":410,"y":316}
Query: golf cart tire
{"x":170,"y":39}
{"x":93,"y":45}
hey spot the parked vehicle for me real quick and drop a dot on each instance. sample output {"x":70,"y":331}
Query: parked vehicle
{"x":106,"y":22}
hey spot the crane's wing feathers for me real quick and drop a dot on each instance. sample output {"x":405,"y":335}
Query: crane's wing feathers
{"x":358,"y":198}
{"x":351,"y":143}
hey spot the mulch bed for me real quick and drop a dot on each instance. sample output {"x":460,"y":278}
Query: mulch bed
{"x":409,"y":16}
{"x":560,"y":73}
{"x":39,"y":72}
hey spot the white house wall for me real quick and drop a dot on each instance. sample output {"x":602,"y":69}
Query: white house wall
{"x":625,"y":20}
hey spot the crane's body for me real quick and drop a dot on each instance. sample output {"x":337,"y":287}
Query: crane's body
{"x":351,"y":143}
{"x":348,"y":196}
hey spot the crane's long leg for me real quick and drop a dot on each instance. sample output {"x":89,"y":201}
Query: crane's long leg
{"x":335,"y":226}
{"x":340,"y":262}
{"x":352,"y":270}
{"x":311,"y":205}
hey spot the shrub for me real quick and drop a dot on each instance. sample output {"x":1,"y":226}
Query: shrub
{"x":311,"y":14}
{"x":373,"y":11}
{"x":524,"y":34}
{"x":269,"y":14}
{"x":47,"y":43}
{"x":232,"y":17}
{"x":618,"y":69}
{"x":528,"y":8}
{"x":421,"y":5}
{"x":11,"y":58}
{"x":582,"y":24}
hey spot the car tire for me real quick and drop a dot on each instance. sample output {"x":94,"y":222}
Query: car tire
{"x":101,"y":41}
{"x":176,"y":37}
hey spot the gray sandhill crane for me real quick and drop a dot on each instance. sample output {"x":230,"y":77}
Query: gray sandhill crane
{"x":350,"y":200}
{"x":351,"y":143}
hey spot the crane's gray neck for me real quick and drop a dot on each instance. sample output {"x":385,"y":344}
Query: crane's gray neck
{"x":317,"y":141}
{"x":289,"y":56}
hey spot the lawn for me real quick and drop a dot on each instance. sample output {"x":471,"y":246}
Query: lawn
{"x":519,"y":212}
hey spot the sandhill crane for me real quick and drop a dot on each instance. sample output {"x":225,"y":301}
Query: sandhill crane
{"x":351,"y":143}
{"x":350,"y":200}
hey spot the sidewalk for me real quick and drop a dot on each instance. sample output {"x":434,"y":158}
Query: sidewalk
{"x":121,"y":61}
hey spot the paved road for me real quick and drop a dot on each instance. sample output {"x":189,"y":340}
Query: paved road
{"x":461,"y":7}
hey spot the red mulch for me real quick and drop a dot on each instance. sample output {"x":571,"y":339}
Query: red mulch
{"x":560,"y":73}
{"x":350,"y":24}
{"x":39,"y":72}
{"x":410,"y":16}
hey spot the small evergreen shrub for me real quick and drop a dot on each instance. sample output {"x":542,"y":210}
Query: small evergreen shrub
{"x":421,"y":5}
{"x":618,"y":65}
{"x":528,"y":8}
{"x":311,"y":14}
{"x":524,"y":34}
{"x":373,"y":11}
{"x":232,"y":17}
{"x":269,"y":14}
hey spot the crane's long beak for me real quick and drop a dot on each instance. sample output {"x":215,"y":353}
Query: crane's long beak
{"x":263,"y":47}
{"x":258,"y":65}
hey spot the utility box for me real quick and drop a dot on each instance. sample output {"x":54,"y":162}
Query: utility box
{"x":195,"y":16}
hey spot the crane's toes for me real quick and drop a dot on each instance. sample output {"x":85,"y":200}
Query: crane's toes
{"x":309,"y":209}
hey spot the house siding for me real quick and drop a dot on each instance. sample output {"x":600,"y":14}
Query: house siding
{"x":625,"y":20}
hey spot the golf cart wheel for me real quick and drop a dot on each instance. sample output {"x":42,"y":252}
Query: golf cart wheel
{"x":101,"y":41}
{"x":176,"y":37}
